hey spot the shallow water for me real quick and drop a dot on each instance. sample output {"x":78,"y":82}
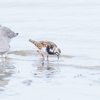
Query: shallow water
{"x":74,"y":26}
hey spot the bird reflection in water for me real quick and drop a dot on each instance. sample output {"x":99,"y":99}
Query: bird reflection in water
{"x":45,"y":69}
{"x":6,"y":71}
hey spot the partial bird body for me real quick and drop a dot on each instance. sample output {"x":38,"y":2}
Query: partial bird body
{"x":6,"y":34}
{"x":4,"y":46}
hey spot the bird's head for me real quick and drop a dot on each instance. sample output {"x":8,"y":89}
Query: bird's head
{"x":57,"y":52}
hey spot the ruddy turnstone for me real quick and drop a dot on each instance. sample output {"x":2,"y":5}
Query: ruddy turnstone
{"x":50,"y":48}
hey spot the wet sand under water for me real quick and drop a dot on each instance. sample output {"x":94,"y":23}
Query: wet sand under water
{"x":24,"y":76}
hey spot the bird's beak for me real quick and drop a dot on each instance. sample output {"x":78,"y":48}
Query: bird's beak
{"x":57,"y":56}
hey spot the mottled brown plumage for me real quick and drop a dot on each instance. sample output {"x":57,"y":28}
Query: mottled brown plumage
{"x":50,"y":47}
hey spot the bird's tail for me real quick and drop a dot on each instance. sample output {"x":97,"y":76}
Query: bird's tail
{"x":32,"y":41}
{"x":37,"y":44}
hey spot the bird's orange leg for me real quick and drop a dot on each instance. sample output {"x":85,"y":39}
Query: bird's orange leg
{"x":40,"y":53}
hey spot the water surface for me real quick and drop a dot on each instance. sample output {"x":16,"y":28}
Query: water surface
{"x":74,"y":26}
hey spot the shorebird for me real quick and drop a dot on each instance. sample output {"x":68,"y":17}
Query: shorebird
{"x":50,"y":48}
{"x":6,"y":35}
